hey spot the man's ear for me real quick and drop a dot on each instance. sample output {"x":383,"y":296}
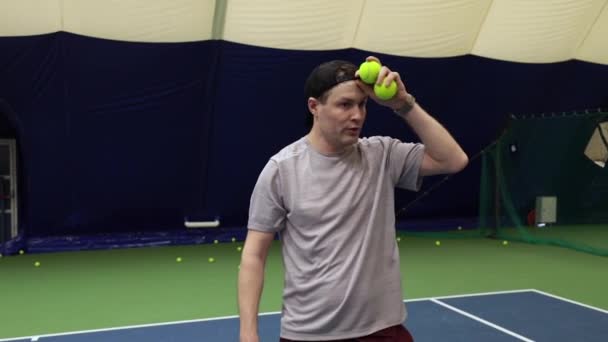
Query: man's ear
{"x":313,"y":103}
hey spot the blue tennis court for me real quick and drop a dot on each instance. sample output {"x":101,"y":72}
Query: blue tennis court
{"x":523,"y":315}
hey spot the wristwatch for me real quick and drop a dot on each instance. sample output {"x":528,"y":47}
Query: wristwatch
{"x":410,"y":101}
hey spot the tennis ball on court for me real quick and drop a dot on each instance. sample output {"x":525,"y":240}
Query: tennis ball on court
{"x":215,"y":242}
{"x":505,"y":242}
{"x":438,"y":243}
{"x":37,"y":264}
{"x":398,"y":239}
{"x":21,"y":251}
{"x":239,"y":248}
{"x":385,"y":93}
{"x":368,"y":71}
{"x":233,"y":239}
{"x":178,"y":259}
{"x":211,"y":260}
{"x":459,"y":228}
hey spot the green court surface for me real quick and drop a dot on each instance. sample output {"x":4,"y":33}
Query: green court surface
{"x":589,"y":235}
{"x":99,"y":289}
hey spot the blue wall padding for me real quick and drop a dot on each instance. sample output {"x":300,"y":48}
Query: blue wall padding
{"x":120,"y":137}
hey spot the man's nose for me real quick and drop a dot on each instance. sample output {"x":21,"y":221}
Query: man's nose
{"x":358,"y":114}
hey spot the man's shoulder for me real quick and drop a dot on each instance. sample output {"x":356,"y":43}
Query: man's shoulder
{"x":377,"y":141}
{"x":386,"y":145}
{"x":290,"y":151}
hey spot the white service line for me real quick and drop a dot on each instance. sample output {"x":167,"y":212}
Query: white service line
{"x":229,"y":317}
{"x":481,"y":320}
{"x":469,"y":295}
{"x":129,"y":327}
{"x":571,"y":301}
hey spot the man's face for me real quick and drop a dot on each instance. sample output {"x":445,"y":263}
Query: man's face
{"x":339,"y":119}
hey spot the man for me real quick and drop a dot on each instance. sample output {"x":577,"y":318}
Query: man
{"x":330,"y":196}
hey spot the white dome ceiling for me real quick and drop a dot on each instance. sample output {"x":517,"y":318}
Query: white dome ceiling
{"x":531,"y":31}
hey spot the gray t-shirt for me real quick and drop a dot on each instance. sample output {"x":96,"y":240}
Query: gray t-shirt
{"x":336,"y":219}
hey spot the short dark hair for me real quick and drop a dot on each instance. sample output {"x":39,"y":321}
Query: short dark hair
{"x":324,"y":77}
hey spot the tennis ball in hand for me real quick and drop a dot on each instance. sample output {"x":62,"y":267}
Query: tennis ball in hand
{"x":368,"y":71}
{"x":385,"y":93}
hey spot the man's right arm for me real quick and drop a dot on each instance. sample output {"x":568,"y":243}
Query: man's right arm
{"x":251,"y":282}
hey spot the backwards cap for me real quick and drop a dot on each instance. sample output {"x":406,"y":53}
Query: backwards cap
{"x":328,"y":75}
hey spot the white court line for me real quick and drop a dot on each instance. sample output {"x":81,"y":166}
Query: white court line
{"x":481,"y":320}
{"x":434,"y":299}
{"x":229,"y":317}
{"x":470,"y":295}
{"x":126,"y":327}
{"x":571,"y":301}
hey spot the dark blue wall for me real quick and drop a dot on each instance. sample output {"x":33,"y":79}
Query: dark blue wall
{"x":123,"y":136}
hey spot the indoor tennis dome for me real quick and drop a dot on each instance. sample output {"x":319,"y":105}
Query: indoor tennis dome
{"x":133,"y":115}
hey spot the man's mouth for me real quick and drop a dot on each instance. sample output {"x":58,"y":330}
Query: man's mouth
{"x":353,"y":131}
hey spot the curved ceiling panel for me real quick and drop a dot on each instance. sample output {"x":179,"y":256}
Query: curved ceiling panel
{"x":536,"y":31}
{"x":421,"y":28}
{"x":302,"y":25}
{"x":595,"y":46}
{"x":29,"y":17}
{"x":140,"y":20}
{"x":530,"y":31}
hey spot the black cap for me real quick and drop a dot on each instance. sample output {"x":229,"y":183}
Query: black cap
{"x":327,"y":75}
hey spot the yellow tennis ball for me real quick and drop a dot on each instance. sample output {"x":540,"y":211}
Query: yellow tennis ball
{"x":368,"y":71}
{"x":398,"y":239}
{"x":21,"y":251}
{"x":505,"y":242}
{"x":37,"y":264}
{"x":178,"y":259}
{"x":385,"y":93}
{"x":211,"y":260}
{"x":233,"y":239}
{"x":239,"y":248}
{"x":438,"y":243}
{"x":215,"y":242}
